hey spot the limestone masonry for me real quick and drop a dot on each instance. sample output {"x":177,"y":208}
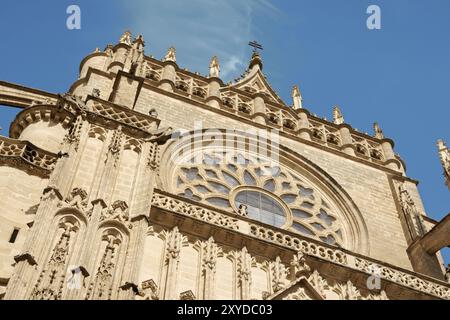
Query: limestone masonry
{"x":119,"y":189}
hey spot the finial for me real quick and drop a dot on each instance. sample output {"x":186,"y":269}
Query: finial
{"x":214,"y":67}
{"x":97,"y":50}
{"x":444,"y":154}
{"x":378,"y":132}
{"x":441,"y":145}
{"x":139,"y":38}
{"x":255,"y":61}
{"x":297,"y":98}
{"x":338,"y":118}
{"x":170,"y":55}
{"x":126,"y":38}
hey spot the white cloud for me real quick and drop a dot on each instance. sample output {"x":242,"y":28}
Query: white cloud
{"x":199,"y":29}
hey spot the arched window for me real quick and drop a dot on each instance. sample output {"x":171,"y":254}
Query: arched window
{"x":261,"y":207}
{"x":273,"y":194}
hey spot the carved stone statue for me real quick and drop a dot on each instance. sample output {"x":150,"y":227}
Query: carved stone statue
{"x":297,"y":98}
{"x":444,"y":155}
{"x":170,"y":55}
{"x":214,"y":68}
{"x":126,"y":38}
{"x":412,"y":215}
{"x":338,"y":118}
{"x":378,"y":132}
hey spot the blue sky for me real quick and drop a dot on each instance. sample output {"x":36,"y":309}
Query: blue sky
{"x":398,"y":76}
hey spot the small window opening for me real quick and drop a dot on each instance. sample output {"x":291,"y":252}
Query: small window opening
{"x":14,"y":235}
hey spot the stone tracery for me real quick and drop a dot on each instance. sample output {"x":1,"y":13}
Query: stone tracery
{"x":219,"y":183}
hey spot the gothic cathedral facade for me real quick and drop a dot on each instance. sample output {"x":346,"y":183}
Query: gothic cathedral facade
{"x":147,"y":181}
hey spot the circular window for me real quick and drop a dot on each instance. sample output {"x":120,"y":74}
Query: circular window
{"x":261,"y":207}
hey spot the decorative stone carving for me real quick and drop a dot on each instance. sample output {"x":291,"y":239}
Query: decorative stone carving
{"x":404,"y":279}
{"x":173,"y":242}
{"x":243,"y":265}
{"x":77,"y":199}
{"x":50,"y":284}
{"x":378,"y":132}
{"x":126,"y":38}
{"x":153,"y":156}
{"x":74,"y":135}
{"x":413,"y":219}
{"x":27,"y":157}
{"x":118,"y":211}
{"x":338,"y":118}
{"x":318,"y":282}
{"x":153,"y":113}
{"x":170,"y":55}
{"x":116,"y":144}
{"x":96,"y":93}
{"x":306,"y":247}
{"x":214,"y":68}
{"x":209,"y":251}
{"x":149,"y":290}
{"x":243,"y":210}
{"x":444,"y":155}
{"x":299,"y":266}
{"x":278,"y":273}
{"x":210,"y":177}
{"x":102,"y":285}
{"x":172,"y":204}
{"x":187,"y":295}
{"x":297,"y":98}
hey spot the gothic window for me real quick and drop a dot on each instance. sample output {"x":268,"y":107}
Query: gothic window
{"x":261,"y":207}
{"x":272,"y":194}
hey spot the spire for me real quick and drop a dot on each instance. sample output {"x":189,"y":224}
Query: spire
{"x":126,"y":38}
{"x":214,"y":68}
{"x":170,"y":55}
{"x":338,"y":118}
{"x":378,"y":132}
{"x":297,"y":98}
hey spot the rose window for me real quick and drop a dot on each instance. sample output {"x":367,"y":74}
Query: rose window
{"x":269,"y":194}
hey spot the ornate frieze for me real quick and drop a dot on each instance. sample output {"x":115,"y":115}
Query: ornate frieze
{"x":182,"y":207}
{"x":402,"y":278}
